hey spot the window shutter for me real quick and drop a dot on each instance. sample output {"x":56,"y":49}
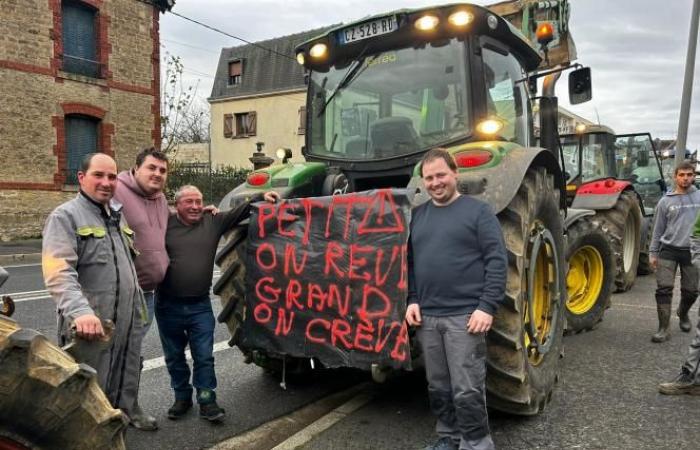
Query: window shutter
{"x":228,"y":125}
{"x":81,"y":139}
{"x":302,"y":120}
{"x":252,"y":123}
{"x":234,"y":68}
{"x":79,"y":40}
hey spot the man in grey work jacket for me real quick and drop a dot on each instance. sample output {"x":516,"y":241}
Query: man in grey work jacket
{"x":89,"y":272}
{"x":457,"y":280}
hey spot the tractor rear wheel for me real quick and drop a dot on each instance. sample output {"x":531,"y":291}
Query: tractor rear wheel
{"x":524,"y":344}
{"x":231,"y":285}
{"x":49,"y":401}
{"x":623,"y":222}
{"x":591,"y":275}
{"x":644,"y":267}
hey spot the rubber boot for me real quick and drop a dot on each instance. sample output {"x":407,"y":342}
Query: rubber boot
{"x":139,"y":419}
{"x":682,"y":312}
{"x":664,"y":312}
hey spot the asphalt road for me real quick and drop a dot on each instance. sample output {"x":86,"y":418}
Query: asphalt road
{"x":249,"y":396}
{"x":606,"y":397}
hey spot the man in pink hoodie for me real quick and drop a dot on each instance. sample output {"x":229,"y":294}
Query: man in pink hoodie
{"x":140,"y":191}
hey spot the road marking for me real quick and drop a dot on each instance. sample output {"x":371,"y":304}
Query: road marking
{"x":155,"y":363}
{"x":27,"y":296}
{"x":281,"y":430}
{"x":307,"y":434}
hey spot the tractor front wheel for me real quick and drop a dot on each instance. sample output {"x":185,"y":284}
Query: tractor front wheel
{"x":591,"y":275}
{"x":525,"y":342}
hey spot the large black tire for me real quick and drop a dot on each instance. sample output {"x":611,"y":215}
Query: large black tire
{"x":623,"y":223}
{"x":591,"y":276}
{"x":49,"y":401}
{"x":644,"y":267}
{"x":521,"y":374}
{"x":231,"y":285}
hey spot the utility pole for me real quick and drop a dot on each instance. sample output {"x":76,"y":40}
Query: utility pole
{"x":688,"y":84}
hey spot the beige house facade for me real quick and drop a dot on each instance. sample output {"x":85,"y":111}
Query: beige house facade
{"x":76,"y":77}
{"x":258,"y":96}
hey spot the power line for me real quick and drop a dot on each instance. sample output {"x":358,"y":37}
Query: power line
{"x":232,"y":36}
{"x":212,"y":28}
{"x":190,"y":46}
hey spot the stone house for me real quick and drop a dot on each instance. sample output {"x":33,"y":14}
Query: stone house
{"x":76,"y":76}
{"x":258,"y":95}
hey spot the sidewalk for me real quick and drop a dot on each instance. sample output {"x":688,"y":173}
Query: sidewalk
{"x":20,"y":252}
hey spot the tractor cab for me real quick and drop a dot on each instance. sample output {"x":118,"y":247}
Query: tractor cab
{"x":596,"y":153}
{"x":384,"y":90}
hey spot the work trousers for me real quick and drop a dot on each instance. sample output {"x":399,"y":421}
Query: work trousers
{"x":666,"y":277}
{"x":692,"y":363}
{"x":455,"y":365}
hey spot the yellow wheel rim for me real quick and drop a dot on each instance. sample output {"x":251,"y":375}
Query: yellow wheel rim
{"x":584,"y":280}
{"x":543,"y":288}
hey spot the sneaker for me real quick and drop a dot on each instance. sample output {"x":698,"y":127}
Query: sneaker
{"x":444,"y":443}
{"x":179,"y":409}
{"x":142,"y":421}
{"x":211,"y":412}
{"x":683,"y":384}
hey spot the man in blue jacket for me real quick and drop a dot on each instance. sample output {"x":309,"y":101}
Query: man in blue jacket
{"x":457,"y":280}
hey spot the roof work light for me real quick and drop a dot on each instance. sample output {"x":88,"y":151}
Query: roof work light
{"x":427,"y":23}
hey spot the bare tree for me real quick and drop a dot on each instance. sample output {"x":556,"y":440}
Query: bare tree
{"x":184,"y":116}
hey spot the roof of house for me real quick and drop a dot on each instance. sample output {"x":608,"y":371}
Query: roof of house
{"x":265,"y":69}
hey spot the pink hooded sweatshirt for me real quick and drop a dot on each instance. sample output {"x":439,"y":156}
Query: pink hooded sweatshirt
{"x":148,"y":217}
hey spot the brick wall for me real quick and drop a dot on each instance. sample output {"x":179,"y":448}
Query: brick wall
{"x":35,"y":95}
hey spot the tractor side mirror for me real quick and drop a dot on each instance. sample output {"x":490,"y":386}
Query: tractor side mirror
{"x":580,"y":89}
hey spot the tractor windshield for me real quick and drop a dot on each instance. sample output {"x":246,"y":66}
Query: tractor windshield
{"x":595,"y":156}
{"x":390,"y":104}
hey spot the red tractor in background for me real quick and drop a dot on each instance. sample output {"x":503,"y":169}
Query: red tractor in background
{"x":619,"y":178}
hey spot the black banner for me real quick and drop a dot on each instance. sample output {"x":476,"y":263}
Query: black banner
{"x":327,"y":278}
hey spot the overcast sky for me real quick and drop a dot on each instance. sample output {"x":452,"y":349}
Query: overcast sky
{"x":635,"y":48}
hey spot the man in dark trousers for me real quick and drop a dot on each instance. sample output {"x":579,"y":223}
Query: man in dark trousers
{"x":457,"y":280}
{"x":183,"y":306}
{"x":670,"y":249}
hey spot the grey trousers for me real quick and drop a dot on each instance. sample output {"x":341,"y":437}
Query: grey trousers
{"x":692,"y":364}
{"x":455,"y":365}
{"x":666,"y":277}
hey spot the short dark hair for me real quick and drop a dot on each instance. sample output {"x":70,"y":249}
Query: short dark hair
{"x":151,"y":151}
{"x":438,"y":153}
{"x":684,"y":165}
{"x":86,"y":161}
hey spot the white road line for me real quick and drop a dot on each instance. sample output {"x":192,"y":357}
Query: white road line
{"x":26,"y":296}
{"x":307,"y":434}
{"x":155,"y":363}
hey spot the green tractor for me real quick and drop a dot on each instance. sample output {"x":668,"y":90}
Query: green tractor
{"x":384,"y":90}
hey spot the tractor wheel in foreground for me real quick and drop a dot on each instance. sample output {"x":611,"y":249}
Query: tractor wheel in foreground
{"x":623,"y":223}
{"x":49,"y":401}
{"x":644,"y":267}
{"x":591,"y":275}
{"x":525,"y":342}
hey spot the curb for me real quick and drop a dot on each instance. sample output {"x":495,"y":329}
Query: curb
{"x":20,"y":258}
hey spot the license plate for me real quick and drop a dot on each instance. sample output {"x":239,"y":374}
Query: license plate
{"x":368,"y":29}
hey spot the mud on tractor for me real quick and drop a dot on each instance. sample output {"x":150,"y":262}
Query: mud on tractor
{"x":618,"y":180}
{"x":47,"y":399}
{"x":384,"y":90}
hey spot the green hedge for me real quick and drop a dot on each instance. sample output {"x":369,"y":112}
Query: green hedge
{"x":214,"y":185}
